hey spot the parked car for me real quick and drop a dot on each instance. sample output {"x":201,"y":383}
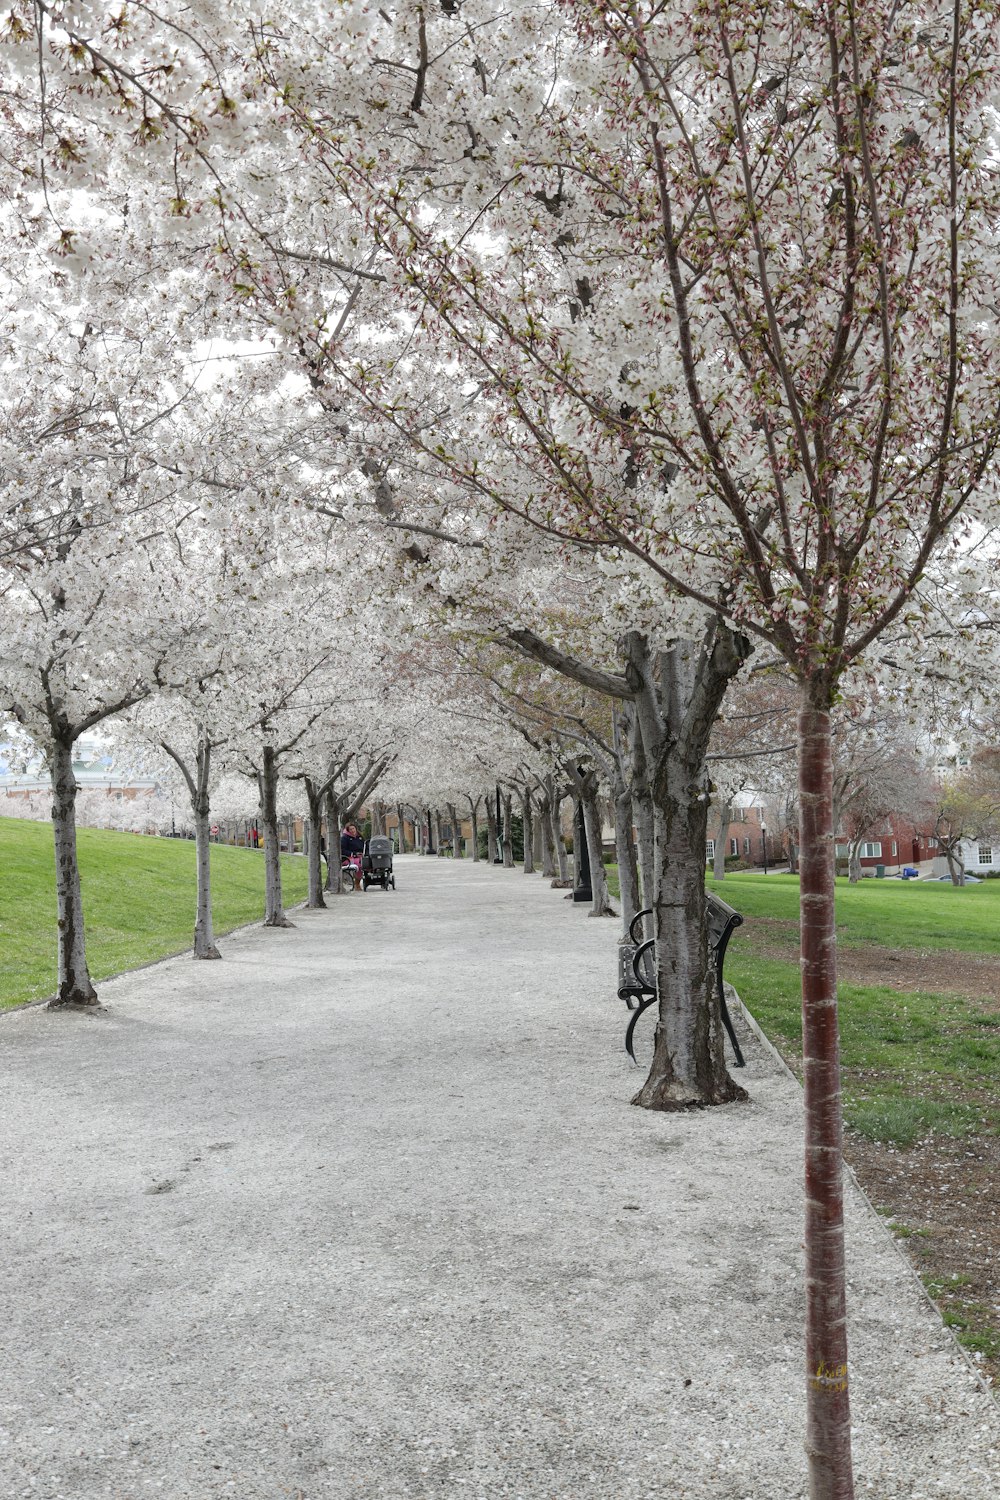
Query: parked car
{"x":969,"y":879}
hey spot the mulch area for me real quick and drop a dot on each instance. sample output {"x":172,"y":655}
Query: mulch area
{"x":942,"y":1195}
{"x":938,"y":971}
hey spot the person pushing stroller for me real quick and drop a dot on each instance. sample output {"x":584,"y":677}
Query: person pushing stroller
{"x":351,"y":849}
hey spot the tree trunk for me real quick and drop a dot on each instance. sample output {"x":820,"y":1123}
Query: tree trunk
{"x":678,"y":695}
{"x":75,"y":987}
{"x":507,"y":840}
{"x":491,"y":832}
{"x":956,"y":865}
{"x":267,"y":781}
{"x":628,"y":870}
{"x":721,"y":840}
{"x":204,"y":935}
{"x":456,"y":831}
{"x":334,"y":884}
{"x":828,"y":1421}
{"x":528,"y":834}
{"x":645,"y":822}
{"x":689,"y":1066}
{"x":854,"y":861}
{"x":559,"y":843}
{"x":601,"y":898}
{"x":550,"y":870}
{"x":430,"y":833}
{"x":437,"y":833}
{"x":401,"y":826}
{"x":474,"y":817}
{"x":313,"y":850}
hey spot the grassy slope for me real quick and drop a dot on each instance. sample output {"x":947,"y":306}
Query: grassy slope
{"x":138,"y":900}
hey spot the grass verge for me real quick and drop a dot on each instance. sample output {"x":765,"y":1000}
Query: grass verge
{"x":138,"y":900}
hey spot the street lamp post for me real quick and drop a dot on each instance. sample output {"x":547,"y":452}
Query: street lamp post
{"x":498,"y":856}
{"x":763,"y":840}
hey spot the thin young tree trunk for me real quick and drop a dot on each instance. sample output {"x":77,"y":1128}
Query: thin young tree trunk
{"x":204,"y":934}
{"x":528,"y":833}
{"x":313,"y":851}
{"x":828,"y":1417}
{"x":267,"y":780}
{"x":507,"y":842}
{"x":75,"y":986}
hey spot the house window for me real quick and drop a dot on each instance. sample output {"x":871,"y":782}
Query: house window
{"x":871,"y":851}
{"x":985,"y":854}
{"x":734,"y":847}
{"x":746,"y":846}
{"x":709,"y":849}
{"x":894,"y":848}
{"x":842,"y":851}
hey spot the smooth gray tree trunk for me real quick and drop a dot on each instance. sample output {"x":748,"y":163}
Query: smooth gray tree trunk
{"x":314,"y":825}
{"x":528,"y":832}
{"x":198,"y":784}
{"x":75,"y":986}
{"x":204,"y":932}
{"x":267,"y":782}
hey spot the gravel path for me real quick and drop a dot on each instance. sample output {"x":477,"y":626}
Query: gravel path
{"x":363,"y":1212}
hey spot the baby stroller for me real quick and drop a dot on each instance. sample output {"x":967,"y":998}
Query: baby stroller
{"x":376,"y":863}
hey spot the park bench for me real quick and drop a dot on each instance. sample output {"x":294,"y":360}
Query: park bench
{"x":637,"y":969}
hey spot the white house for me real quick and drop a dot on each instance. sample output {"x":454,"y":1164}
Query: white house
{"x":978,"y":856}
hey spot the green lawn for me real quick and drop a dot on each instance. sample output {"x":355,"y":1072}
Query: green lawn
{"x":899,"y":913}
{"x":914,"y":1062}
{"x":138,"y":900}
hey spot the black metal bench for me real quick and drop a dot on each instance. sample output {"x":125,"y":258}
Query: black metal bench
{"x":637,"y":969}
